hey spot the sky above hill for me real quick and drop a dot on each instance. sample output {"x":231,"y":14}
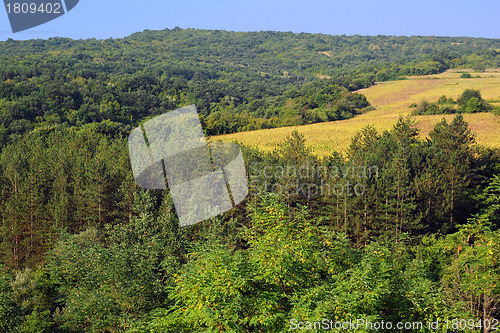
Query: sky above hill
{"x":112,"y":18}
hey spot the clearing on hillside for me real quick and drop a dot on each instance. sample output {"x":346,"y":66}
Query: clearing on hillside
{"x":392,"y":100}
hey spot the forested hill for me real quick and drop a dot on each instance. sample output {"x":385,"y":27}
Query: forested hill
{"x":239,"y":80}
{"x":397,"y":229}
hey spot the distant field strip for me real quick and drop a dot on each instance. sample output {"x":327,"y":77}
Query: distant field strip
{"x":391,"y":100}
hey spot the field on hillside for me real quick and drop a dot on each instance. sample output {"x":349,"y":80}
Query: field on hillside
{"x":392,"y":100}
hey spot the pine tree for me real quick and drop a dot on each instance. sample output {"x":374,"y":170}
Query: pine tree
{"x":453,"y":160}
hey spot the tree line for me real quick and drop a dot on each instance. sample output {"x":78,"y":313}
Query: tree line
{"x":88,"y":251}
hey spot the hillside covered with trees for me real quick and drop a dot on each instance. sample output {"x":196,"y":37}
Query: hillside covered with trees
{"x":238,"y":80}
{"x":395,"y":229}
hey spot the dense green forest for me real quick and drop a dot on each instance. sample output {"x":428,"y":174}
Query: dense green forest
{"x":396,"y":229}
{"x":414,"y":238}
{"x":238,"y":80}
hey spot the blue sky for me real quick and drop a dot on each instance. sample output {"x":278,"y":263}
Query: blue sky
{"x":112,"y":18}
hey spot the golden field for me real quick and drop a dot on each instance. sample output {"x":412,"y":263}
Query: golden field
{"x":392,"y":100}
